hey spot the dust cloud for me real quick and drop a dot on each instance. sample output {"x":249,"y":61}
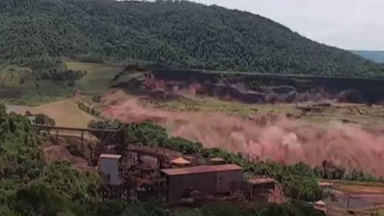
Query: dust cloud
{"x":279,"y":139}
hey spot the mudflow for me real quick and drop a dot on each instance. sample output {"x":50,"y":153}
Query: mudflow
{"x":279,"y":138}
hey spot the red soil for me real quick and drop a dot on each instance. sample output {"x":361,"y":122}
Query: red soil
{"x":53,"y":153}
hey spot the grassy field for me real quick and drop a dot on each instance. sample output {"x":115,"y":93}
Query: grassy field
{"x":380,"y":212}
{"x":33,"y":100}
{"x":359,"y":114}
{"x":97,"y":78}
{"x":20,"y":86}
{"x":358,"y":187}
{"x":66,"y":113}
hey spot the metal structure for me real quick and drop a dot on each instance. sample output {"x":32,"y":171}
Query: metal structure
{"x":157,"y":156}
{"x":139,"y":172}
{"x":110,"y":166}
{"x":80,"y":131}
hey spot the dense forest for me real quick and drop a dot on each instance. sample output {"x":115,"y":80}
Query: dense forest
{"x":174,"y":33}
{"x":31,"y":187}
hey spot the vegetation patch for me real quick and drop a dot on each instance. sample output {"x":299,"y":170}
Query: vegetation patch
{"x":86,"y":108}
{"x":179,"y":34}
{"x":98,"y":77}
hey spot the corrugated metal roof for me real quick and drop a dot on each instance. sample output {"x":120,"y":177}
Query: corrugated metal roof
{"x":110,"y":156}
{"x":201,"y":169}
{"x":255,"y":181}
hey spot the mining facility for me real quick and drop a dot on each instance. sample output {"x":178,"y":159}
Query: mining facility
{"x":146,"y":172}
{"x":136,"y":172}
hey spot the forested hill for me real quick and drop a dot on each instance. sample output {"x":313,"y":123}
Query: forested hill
{"x":376,"y":56}
{"x":180,"y":34}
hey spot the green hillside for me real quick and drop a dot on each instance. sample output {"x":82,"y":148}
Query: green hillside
{"x":376,"y":56}
{"x":180,"y":34}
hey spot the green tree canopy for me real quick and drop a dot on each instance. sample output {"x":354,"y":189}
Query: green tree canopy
{"x":174,"y":33}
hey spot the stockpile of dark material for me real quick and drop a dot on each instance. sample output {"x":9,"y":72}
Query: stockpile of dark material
{"x":168,"y":84}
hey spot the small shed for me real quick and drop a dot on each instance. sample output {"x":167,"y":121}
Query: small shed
{"x":321,"y":205}
{"x":181,"y":162}
{"x":214,"y":179}
{"x":110,"y":168}
{"x":262,"y":186}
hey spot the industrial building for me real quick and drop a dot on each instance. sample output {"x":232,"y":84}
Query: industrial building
{"x":111,"y":169}
{"x":178,"y":180}
{"x":205,"y":179}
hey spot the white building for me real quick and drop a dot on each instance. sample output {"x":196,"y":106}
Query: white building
{"x":32,"y":119}
{"x":109,"y":166}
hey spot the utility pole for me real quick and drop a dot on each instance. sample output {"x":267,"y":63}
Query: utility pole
{"x":349,"y":197}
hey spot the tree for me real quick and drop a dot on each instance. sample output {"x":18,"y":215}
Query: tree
{"x":38,"y":199}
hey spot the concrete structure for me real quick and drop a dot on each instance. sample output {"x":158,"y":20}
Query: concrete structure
{"x":262,"y":189}
{"x":32,"y":119}
{"x":205,"y":179}
{"x":111,"y":169}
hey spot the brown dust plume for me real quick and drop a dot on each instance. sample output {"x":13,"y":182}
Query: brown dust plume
{"x":279,"y":139}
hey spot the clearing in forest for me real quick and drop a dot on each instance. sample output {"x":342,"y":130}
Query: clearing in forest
{"x":97,"y":78}
{"x":66,"y":113}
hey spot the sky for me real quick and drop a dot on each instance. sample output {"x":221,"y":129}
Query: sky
{"x":347,"y":24}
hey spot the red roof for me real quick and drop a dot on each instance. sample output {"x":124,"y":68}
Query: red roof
{"x":180,"y":160}
{"x":261,"y":181}
{"x":201,"y":169}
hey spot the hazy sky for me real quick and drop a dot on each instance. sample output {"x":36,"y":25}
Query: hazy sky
{"x":348,"y":24}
